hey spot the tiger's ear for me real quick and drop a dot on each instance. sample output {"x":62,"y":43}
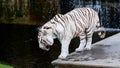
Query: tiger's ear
{"x":38,"y":29}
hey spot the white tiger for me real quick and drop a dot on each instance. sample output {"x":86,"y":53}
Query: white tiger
{"x":79,"y":22}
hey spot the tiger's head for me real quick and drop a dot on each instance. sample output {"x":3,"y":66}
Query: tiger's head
{"x":45,"y":38}
{"x":47,"y":33}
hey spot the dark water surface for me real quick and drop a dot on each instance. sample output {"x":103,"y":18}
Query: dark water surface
{"x":19,"y":47}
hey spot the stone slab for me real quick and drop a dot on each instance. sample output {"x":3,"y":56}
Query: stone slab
{"x":105,"y":53}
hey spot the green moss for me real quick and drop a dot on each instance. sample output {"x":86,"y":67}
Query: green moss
{"x":5,"y":66}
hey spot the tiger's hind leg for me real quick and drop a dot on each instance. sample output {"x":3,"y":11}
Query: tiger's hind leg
{"x":88,"y":40}
{"x":88,"y":44}
{"x":82,"y":42}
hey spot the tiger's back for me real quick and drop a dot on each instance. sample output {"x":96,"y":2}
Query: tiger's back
{"x":82,"y":19}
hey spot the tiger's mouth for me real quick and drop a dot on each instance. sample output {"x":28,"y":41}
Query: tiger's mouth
{"x":46,"y":46}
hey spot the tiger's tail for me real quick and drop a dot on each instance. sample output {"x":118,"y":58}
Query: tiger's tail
{"x":101,"y":31}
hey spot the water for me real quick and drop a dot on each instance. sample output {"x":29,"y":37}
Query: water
{"x":19,"y":47}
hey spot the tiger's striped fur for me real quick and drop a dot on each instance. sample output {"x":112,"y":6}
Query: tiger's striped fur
{"x":79,"y":22}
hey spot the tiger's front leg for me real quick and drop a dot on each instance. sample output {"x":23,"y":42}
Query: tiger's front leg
{"x":88,"y":45}
{"x":64,"y":48}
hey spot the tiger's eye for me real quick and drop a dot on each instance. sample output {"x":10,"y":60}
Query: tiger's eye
{"x":39,"y":30}
{"x":46,"y":27}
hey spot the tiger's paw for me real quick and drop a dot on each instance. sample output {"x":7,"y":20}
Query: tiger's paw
{"x":79,"y":49}
{"x":62,"y":56}
{"x":88,"y":47}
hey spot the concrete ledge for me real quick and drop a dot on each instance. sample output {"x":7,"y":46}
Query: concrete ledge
{"x":105,"y":53}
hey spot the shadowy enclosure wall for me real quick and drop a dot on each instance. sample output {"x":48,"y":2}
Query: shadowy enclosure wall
{"x":28,"y":11}
{"x":38,"y":12}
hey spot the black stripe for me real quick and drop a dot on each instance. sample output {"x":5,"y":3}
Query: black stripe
{"x":55,"y":19}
